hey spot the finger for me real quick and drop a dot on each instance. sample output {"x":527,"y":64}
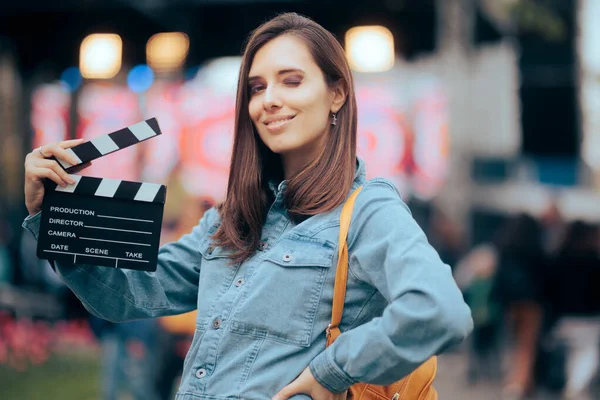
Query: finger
{"x":80,"y":167}
{"x":288,"y":391}
{"x":66,"y":144}
{"x":40,"y":152}
{"x":53,"y":165}
{"x":57,"y":151}
{"x":49,"y":174}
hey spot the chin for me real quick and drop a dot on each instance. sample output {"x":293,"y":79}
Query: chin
{"x":281,"y":147}
{"x":281,"y":150}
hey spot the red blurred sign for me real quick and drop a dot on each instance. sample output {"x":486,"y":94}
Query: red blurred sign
{"x":161,"y":154}
{"x":50,"y":106}
{"x":431,"y":146}
{"x":383,"y":136}
{"x":206,"y":142}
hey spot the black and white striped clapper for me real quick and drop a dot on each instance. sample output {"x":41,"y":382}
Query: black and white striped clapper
{"x":105,"y":222}
{"x":111,"y":142}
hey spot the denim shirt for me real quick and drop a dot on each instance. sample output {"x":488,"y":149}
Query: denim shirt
{"x":262,"y":322}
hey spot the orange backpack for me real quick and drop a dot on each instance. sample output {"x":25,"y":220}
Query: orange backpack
{"x":418,"y":385}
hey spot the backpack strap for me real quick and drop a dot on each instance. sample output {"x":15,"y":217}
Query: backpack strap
{"x":341,"y":273}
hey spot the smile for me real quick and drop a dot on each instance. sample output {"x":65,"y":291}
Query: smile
{"x":279,"y":124}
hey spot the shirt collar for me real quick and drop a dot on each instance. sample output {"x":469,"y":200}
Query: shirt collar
{"x":360,"y":173}
{"x":277,"y":188}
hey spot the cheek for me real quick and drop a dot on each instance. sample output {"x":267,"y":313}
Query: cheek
{"x":315,"y":102}
{"x":254,"y":110}
{"x":320,"y":115}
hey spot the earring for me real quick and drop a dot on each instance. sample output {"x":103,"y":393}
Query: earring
{"x":333,"y":119}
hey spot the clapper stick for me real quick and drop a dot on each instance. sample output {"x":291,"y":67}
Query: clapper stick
{"x":104,"y":222}
{"x":111,"y":142}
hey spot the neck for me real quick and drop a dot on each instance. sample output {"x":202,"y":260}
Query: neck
{"x":296,"y":161}
{"x":292,"y":165}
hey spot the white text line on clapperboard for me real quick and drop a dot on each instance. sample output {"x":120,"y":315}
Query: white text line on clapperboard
{"x":91,"y":251}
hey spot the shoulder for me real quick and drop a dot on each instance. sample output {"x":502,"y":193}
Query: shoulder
{"x":380,"y":210}
{"x":378,"y":193}
{"x":211,"y":220}
{"x":379,"y":184}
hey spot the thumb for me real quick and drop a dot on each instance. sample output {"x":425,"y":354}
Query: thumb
{"x":288,"y":391}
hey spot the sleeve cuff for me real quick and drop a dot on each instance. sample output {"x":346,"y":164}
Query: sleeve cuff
{"x":32,"y":224}
{"x":328,"y":374}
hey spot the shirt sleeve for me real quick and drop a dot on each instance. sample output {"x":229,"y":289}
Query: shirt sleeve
{"x":121,"y":295}
{"x":426,"y":313}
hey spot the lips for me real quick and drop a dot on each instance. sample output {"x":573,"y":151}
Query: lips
{"x":277,"y":120}
{"x":277,"y":124}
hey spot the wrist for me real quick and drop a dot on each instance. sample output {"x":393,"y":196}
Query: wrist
{"x":329,"y":375}
{"x":33,"y":210}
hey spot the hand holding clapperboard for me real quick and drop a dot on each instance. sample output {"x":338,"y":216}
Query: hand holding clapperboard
{"x":105,"y":222}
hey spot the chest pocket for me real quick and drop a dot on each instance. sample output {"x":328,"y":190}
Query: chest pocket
{"x":282,"y":301}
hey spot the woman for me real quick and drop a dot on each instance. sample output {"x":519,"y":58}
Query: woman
{"x":259,"y":267}
{"x":518,"y":290}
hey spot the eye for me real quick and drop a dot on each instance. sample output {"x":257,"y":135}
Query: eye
{"x":295,"y":81}
{"x":254,"y":89}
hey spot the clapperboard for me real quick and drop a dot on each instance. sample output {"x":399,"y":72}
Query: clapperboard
{"x":105,"y":222}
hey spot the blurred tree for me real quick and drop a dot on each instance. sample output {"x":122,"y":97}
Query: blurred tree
{"x":528,"y":16}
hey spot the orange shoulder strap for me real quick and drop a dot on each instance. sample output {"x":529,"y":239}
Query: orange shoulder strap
{"x":341,"y":273}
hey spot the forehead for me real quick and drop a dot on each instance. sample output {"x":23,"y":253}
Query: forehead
{"x":283,"y":52}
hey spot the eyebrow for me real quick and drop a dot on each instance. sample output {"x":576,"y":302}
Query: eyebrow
{"x":280,"y":72}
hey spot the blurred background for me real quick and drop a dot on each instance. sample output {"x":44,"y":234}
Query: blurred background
{"x":485,"y":113}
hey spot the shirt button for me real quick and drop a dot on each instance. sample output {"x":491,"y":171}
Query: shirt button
{"x":287,"y":257}
{"x":263,"y":245}
{"x":201,"y":373}
{"x":210,"y":250}
{"x":239,"y":282}
{"x":216,"y":323}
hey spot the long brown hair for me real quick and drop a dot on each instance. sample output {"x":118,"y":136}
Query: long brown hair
{"x":320,"y":186}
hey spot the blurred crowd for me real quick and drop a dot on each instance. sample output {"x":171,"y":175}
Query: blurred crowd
{"x":533,"y":290}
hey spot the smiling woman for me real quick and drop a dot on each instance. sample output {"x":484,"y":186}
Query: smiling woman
{"x":260,"y":268}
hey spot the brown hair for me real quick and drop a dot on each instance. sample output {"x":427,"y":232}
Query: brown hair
{"x":320,"y":186}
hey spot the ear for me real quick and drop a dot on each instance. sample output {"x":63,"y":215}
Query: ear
{"x":339,"y":95}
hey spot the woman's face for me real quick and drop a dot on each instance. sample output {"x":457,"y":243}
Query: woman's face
{"x":290,"y":103}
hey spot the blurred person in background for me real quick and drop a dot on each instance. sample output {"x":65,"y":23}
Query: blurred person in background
{"x":573,"y":296}
{"x":260,"y":267}
{"x":475,"y":275}
{"x":518,"y":289}
{"x":446,"y":237}
{"x":128,"y":358}
{"x":554,"y":228}
{"x":549,"y":361}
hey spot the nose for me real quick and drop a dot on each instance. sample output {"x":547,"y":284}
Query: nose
{"x":271,"y":99}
